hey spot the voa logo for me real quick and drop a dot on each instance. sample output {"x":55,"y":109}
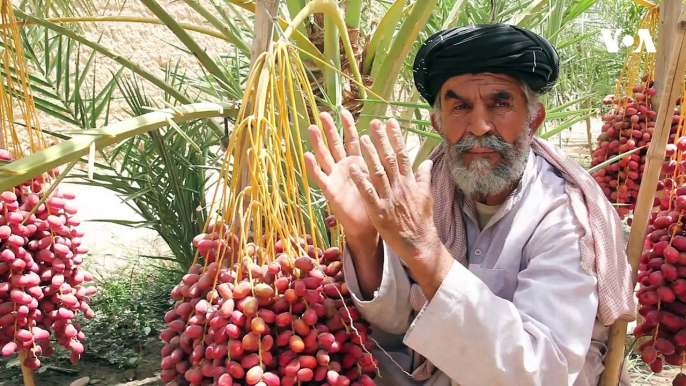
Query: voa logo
{"x":612,"y":41}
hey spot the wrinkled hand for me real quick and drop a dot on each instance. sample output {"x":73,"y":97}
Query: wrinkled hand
{"x":399,"y":204}
{"x":331,"y":172}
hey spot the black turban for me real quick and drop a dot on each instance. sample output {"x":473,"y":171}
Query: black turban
{"x":494,"y":48}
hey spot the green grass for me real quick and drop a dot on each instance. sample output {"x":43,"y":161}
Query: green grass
{"x":129,"y":311}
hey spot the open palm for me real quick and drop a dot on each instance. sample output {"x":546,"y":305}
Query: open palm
{"x":331,"y":171}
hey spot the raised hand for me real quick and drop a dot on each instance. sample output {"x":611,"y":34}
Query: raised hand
{"x":373,"y":193}
{"x":399,"y":203}
{"x":331,"y":172}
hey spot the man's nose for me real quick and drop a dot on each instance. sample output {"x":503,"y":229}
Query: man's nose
{"x":479,"y":121}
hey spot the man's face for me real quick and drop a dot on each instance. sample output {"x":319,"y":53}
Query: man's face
{"x":484,"y":120}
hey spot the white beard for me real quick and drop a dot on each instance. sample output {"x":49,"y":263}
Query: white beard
{"x":480,"y":177}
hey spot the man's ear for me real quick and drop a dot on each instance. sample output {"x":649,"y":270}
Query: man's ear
{"x":540,"y":117}
{"x":434,"y":123}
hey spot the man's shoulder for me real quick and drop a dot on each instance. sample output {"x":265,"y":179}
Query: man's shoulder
{"x":549,"y":196}
{"x":548,"y":175}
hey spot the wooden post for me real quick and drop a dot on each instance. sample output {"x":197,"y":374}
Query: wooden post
{"x":265,"y":12}
{"x":27,"y":374}
{"x":671,"y":90}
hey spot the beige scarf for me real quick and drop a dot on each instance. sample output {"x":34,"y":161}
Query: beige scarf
{"x":603,"y":249}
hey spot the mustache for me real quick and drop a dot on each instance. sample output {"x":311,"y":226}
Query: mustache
{"x":490,"y":141}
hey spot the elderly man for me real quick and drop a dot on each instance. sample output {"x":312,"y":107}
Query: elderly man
{"x":500,"y":262}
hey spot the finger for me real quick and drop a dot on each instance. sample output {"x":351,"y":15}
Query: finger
{"x":398,"y":144}
{"x":377,"y":174}
{"x":316,"y":173}
{"x":320,"y":150}
{"x":384,"y":148}
{"x":364,"y":186}
{"x":423,"y":177}
{"x":332,"y":137}
{"x":350,"y":135}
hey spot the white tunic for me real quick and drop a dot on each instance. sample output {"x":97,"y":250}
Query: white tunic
{"x":523,"y":313}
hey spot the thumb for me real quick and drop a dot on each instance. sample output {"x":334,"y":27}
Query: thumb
{"x":423,"y":177}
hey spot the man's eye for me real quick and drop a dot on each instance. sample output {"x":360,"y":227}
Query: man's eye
{"x":503,"y":104}
{"x":460,"y":106}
